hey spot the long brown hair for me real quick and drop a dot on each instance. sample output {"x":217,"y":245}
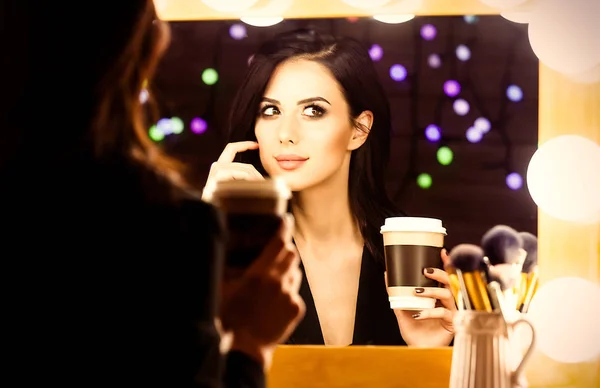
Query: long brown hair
{"x":119,"y":98}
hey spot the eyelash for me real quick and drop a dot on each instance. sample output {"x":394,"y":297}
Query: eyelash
{"x":319,"y":111}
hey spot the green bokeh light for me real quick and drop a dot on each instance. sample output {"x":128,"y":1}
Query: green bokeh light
{"x":424,"y":181}
{"x":177,"y":125}
{"x":445,"y":155}
{"x":210,"y":76}
{"x":155,"y":133}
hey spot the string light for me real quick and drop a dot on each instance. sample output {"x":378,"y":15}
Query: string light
{"x":198,"y":125}
{"x":238,"y":31}
{"x":433,"y":133}
{"x":463,"y":53}
{"x":398,"y":72}
{"x":451,"y":88}
{"x":434,"y":61}
{"x":428,"y":32}
{"x":424,"y":181}
{"x":210,"y":76}
{"x":376,"y":52}
{"x":514,"y":93}
{"x":461,"y":107}
{"x":514,"y":181}
{"x":445,"y":156}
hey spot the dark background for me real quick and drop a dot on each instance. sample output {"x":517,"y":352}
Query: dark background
{"x":470,"y":195}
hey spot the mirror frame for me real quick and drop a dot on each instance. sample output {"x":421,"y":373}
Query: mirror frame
{"x":564,"y":108}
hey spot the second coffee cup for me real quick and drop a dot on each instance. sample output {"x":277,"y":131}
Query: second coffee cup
{"x":253,"y":212}
{"x":411,"y":245}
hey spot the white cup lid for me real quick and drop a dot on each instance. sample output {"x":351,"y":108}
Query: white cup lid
{"x":267,"y":188}
{"x":413,"y":224}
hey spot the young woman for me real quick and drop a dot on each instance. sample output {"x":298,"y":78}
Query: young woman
{"x":312,"y":111}
{"x":82,"y":203}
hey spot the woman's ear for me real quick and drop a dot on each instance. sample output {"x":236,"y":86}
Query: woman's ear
{"x":362,"y":127}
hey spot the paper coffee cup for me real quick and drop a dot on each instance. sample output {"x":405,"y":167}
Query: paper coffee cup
{"x":253,"y":212}
{"x":411,"y":244}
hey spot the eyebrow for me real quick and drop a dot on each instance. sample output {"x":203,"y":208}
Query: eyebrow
{"x":301,"y":102}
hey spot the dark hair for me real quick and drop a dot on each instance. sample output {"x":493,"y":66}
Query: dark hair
{"x":350,"y":63}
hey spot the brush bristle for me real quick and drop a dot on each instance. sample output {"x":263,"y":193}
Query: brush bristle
{"x":501,"y":245}
{"x":467,"y":257}
{"x":530,"y":244}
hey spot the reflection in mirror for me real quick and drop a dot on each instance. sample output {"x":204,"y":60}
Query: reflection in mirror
{"x":463,"y":99}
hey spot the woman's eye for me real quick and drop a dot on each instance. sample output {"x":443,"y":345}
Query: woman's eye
{"x":313,"y":111}
{"x":269,"y":111}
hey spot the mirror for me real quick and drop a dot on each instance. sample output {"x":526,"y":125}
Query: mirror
{"x":463,"y":91}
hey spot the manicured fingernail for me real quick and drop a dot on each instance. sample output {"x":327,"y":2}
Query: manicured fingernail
{"x":419,"y":290}
{"x":417,"y":315}
{"x":429,"y":270}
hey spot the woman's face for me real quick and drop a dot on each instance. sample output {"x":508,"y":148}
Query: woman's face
{"x":303,"y":128}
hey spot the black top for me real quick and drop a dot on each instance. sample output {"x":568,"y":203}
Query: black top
{"x":114,"y":282}
{"x":374,"y":323}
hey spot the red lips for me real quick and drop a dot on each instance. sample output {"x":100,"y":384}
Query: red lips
{"x":290,"y":162}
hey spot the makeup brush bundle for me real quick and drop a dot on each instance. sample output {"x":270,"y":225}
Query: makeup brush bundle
{"x":500,"y":275}
{"x":493,"y":284}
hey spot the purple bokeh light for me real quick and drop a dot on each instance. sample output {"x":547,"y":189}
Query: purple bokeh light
{"x":474,"y":135}
{"x":198,"y":125}
{"x":433,"y":133}
{"x":376,"y":52}
{"x":398,"y":72}
{"x":165,"y":126}
{"x":451,"y":88}
{"x":514,"y":181}
{"x":428,"y":32}
{"x":434,"y":61}
{"x":237,"y":31}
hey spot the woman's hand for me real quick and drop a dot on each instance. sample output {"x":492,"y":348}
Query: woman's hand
{"x":430,"y":327}
{"x":225,"y":169}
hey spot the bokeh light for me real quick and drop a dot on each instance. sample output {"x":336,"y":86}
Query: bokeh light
{"x":568,"y":334}
{"x":424,"y":181}
{"x":461,"y":107}
{"x":210,"y":76}
{"x":165,"y":126}
{"x":433,"y":133}
{"x":514,"y":93}
{"x":376,"y":52}
{"x":238,"y":31}
{"x":471,"y":19}
{"x":563,"y":179}
{"x":474,"y":135}
{"x":177,"y":125}
{"x":352,"y":19}
{"x":155,"y":134}
{"x":398,"y":72}
{"x":463,"y":53}
{"x":198,"y":125}
{"x":451,"y":88}
{"x":434,"y":61}
{"x":445,"y":156}
{"x":483,"y":125}
{"x":428,"y":32}
{"x":514,"y":181}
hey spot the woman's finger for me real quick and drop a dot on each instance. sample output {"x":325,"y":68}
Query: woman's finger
{"x":444,"y":295}
{"x":438,"y":275}
{"x":435,"y":313}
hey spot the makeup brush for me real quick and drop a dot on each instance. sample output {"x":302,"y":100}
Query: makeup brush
{"x":503,"y":247}
{"x":529,"y":270}
{"x":455,"y":287}
{"x":467,"y":259}
{"x":496,"y":288}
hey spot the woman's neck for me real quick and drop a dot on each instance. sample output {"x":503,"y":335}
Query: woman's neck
{"x":324,"y":217}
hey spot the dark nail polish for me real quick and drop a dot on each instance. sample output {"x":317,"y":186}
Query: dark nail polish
{"x":419,"y":290}
{"x":429,"y":270}
{"x":417,"y":315}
